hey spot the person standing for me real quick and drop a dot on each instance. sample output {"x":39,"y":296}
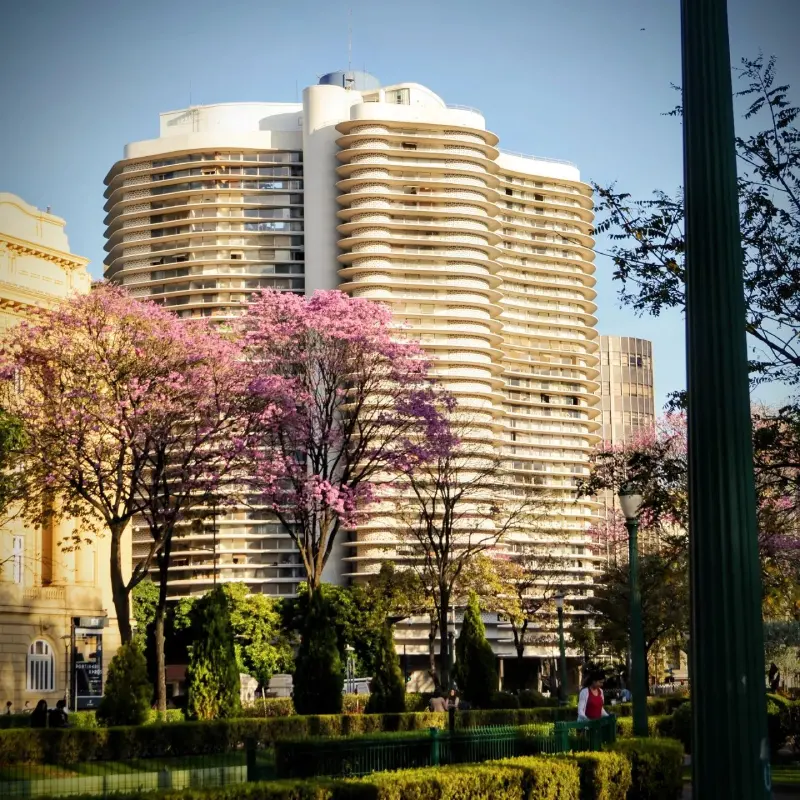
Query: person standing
{"x":438,"y":704}
{"x":39,"y":715}
{"x":591,"y":701}
{"x":58,"y":716}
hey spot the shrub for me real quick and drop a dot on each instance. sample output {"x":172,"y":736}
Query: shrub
{"x":213,"y":673}
{"x":542,"y":778}
{"x":19,"y":746}
{"x":530,"y":778}
{"x":387,"y":687}
{"x":128,"y":692}
{"x":318,"y":675}
{"x":476,"y":669}
{"x":530,"y":699}
{"x":778,"y":700}
{"x":515,"y":779}
{"x":417,"y":702}
{"x":604,"y":776}
{"x":656,"y":767}
{"x":269,"y":707}
{"x":656,"y":726}
{"x":681,"y":728}
{"x":504,"y":700}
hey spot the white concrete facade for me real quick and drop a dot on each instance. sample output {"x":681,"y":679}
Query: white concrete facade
{"x":487,"y":256}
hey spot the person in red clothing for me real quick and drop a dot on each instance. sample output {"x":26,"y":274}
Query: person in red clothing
{"x":590,"y":700}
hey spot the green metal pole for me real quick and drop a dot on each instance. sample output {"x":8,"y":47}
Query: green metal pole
{"x":562,"y":681}
{"x":451,"y":648}
{"x":730,"y":752}
{"x":638,"y":680}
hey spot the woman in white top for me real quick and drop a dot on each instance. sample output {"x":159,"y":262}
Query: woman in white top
{"x":590,"y":700}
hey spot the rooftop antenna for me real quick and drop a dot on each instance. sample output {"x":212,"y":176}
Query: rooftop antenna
{"x":350,"y":40}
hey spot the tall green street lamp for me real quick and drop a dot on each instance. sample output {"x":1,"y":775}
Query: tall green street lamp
{"x":451,"y":650}
{"x":730,"y":752}
{"x":631,"y":501}
{"x":562,"y":680}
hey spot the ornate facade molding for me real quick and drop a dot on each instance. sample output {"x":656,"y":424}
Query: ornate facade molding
{"x":20,"y":247}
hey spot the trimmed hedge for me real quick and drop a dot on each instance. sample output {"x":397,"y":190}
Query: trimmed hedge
{"x":656,"y":767}
{"x":585,"y":776}
{"x":533,"y":778}
{"x":85,"y":719}
{"x":657,"y":727}
{"x":517,"y":779}
{"x":657,"y":706}
{"x":604,"y":776}
{"x":415,"y":703}
{"x":71,"y":745}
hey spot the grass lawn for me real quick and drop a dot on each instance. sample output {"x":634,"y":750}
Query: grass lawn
{"x":27,"y":772}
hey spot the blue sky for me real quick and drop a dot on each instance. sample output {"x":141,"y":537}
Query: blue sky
{"x":573,"y":79}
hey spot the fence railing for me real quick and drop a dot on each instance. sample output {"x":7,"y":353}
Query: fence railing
{"x":357,"y":756}
{"x":300,"y":758}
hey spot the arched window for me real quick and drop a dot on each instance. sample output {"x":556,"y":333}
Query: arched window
{"x":41,"y":667}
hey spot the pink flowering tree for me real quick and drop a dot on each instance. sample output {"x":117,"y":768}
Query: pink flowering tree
{"x":655,"y":460}
{"x":128,"y":413}
{"x":341,"y":395}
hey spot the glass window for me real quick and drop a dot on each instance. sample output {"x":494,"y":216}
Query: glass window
{"x":17,"y":551}
{"x":41,"y":667}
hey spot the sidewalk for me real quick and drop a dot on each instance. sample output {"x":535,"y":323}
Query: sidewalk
{"x":777,"y":794}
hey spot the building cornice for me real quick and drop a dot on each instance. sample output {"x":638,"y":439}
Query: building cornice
{"x":22,"y":247}
{"x":19,"y":299}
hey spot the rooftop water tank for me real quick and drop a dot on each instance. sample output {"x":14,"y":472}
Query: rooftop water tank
{"x":352,"y":79}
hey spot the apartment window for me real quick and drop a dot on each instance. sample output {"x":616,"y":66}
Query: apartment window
{"x":409,"y":146}
{"x":41,"y":667}
{"x":399,"y":96}
{"x":17,"y":550}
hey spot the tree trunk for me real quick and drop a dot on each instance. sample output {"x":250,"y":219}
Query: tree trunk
{"x":163,"y":559}
{"x":444,"y":660}
{"x":519,"y":643}
{"x":432,"y":653}
{"x":119,"y":588}
{"x":161,"y":669}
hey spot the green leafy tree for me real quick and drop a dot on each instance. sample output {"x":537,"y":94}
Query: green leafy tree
{"x":12,"y":437}
{"x":583,"y":637}
{"x":387,"y":687}
{"x":664,"y":586}
{"x":648,"y":242}
{"x":128,"y":691}
{"x":262,"y":649}
{"x":358,"y":613}
{"x":782,"y":646}
{"x":145,"y":600}
{"x":213,"y":674}
{"x":318,"y":674}
{"x":476,"y":668}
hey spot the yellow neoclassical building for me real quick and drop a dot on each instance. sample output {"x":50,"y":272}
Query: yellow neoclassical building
{"x":57,"y":631}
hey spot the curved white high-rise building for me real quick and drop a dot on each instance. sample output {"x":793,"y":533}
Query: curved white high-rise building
{"x":392,"y":195}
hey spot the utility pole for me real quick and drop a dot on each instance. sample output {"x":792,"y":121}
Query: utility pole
{"x":730,"y":751}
